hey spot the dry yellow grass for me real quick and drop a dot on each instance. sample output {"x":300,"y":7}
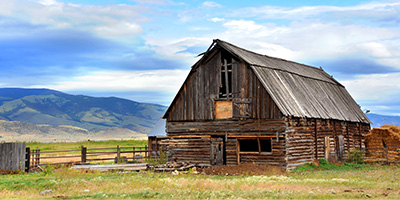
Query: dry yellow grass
{"x":376,"y":182}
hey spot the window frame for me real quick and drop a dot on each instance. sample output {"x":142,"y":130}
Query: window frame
{"x":259,"y":139}
{"x":226,"y":80}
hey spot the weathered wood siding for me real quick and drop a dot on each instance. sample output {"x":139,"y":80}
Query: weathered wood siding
{"x":12,"y":156}
{"x":191,"y":141}
{"x":306,"y":139}
{"x":196,"y":99}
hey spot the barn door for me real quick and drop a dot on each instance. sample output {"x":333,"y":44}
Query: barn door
{"x":327,"y":147}
{"x":340,"y":142}
{"x":217,"y":151}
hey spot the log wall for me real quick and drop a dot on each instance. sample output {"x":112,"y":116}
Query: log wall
{"x":307,"y":139}
{"x":191,"y":141}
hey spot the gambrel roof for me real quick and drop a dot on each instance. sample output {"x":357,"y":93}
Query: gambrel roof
{"x":298,"y":90}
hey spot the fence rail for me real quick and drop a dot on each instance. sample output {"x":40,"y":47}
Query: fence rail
{"x":36,"y":157}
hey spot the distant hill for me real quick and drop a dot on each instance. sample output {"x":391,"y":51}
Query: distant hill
{"x":379,"y":120}
{"x":23,"y":131}
{"x":94,"y":114}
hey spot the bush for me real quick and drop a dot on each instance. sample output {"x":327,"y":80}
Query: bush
{"x":356,"y":155}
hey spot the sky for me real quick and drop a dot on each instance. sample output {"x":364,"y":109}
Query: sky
{"x":142,"y":50}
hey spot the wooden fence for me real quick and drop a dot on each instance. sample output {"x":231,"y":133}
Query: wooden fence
{"x":93,"y":155}
{"x":12,"y":156}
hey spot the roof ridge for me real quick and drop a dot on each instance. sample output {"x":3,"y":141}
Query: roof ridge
{"x":218,"y":40}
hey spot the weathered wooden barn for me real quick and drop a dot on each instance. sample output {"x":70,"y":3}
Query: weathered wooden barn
{"x":237,"y":106}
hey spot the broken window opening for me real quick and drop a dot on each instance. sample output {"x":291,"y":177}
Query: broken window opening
{"x":225,"y":90}
{"x":265,"y":145}
{"x":249,"y":145}
{"x":257,"y":145}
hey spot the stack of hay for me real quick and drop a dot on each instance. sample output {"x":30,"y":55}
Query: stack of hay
{"x":381,"y":140}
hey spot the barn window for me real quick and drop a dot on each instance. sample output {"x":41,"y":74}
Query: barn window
{"x":265,"y":145}
{"x":248,"y":145}
{"x":255,"y":145}
{"x":225,"y":88}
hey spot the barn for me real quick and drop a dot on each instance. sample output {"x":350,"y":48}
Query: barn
{"x":239,"y":106}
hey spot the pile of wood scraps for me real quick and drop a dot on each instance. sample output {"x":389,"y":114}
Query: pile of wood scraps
{"x":115,"y":167}
{"x":174,"y":166}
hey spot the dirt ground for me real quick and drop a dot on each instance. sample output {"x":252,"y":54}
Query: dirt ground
{"x":243,"y":169}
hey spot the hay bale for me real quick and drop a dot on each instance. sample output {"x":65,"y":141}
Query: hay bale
{"x":379,"y":139}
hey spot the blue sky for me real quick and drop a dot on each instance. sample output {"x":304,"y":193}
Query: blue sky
{"x":143,"y":49}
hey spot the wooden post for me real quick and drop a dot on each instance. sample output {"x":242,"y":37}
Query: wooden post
{"x":32,"y":158}
{"x":118,"y":154}
{"x":83,"y":154}
{"x":226,"y":79}
{"x":146,"y":151}
{"x":27,"y":159}
{"x":316,"y":139}
{"x":359,"y":124}
{"x":38,"y":157}
{"x":134,"y":152}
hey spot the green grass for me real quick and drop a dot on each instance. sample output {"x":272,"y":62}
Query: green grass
{"x":380,"y":182}
{"x":325,"y":165}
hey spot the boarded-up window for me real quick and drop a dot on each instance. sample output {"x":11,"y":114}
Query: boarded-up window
{"x":241,"y":108}
{"x":223,"y":109}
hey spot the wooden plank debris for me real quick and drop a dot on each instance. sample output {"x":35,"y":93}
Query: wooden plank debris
{"x":117,"y":167}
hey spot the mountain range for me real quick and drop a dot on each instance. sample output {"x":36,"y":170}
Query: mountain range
{"x":379,"y":120}
{"x":48,"y":115}
{"x":72,"y":114}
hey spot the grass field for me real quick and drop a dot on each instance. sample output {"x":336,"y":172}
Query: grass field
{"x":349,"y":181}
{"x":373,"y":181}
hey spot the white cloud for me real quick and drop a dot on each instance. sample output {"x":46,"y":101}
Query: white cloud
{"x":368,"y":10}
{"x":115,"y":21}
{"x":119,"y":29}
{"x":211,"y":4}
{"x":373,"y":86}
{"x":159,"y":2}
{"x":175,"y":48}
{"x":155,"y":80}
{"x":217,"y":19}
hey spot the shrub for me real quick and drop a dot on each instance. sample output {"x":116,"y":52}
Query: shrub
{"x":356,"y":155}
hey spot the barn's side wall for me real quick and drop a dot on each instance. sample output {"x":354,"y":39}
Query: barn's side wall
{"x":191,"y":141}
{"x":308,"y":139}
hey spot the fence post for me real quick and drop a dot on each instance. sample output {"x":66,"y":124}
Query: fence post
{"x":83,"y":154}
{"x":118,"y":155}
{"x":27,"y":159}
{"x":38,"y":157}
{"x":134,"y":152}
{"x":32,"y":158}
{"x":146,"y":149}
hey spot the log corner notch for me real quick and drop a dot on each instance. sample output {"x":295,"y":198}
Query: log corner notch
{"x":255,"y":102}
